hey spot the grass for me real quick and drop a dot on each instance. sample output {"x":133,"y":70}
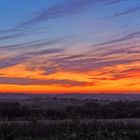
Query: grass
{"x":74,"y":130}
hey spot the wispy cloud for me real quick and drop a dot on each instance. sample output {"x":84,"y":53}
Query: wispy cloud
{"x":125,"y":12}
{"x":10,"y":36}
{"x":126,"y":37}
{"x":59,"y":10}
{"x":30,"y":81}
{"x":85,"y":62}
{"x":27,"y":56}
{"x":43,"y":43}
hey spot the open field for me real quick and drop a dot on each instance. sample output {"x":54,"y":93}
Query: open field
{"x":73,"y":130}
{"x":126,"y":121}
{"x":69,"y":118}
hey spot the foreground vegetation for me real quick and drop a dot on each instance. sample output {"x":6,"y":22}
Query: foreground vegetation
{"x":74,"y":130}
{"x":75,"y":122}
{"x":88,"y":110}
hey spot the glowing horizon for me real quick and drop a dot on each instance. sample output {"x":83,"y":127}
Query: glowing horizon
{"x":79,"y":46}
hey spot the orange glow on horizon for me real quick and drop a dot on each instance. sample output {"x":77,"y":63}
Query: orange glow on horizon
{"x":113,"y":79}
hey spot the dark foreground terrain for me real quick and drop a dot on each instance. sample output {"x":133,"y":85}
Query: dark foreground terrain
{"x":74,"y":130}
{"x":55,"y":118}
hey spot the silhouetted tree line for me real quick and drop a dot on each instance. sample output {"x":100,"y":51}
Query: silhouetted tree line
{"x":14,"y":110}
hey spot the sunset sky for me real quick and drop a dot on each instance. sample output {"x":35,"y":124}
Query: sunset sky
{"x":70,"y":46}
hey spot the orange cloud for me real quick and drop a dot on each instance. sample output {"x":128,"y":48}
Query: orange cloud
{"x":118,"y":78}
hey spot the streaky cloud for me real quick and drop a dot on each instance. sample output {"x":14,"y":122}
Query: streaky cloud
{"x":27,"y":56}
{"x":126,"y":37}
{"x":32,"y":44}
{"x":126,"y":12}
{"x":31,"y":81}
{"x":59,"y":10}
